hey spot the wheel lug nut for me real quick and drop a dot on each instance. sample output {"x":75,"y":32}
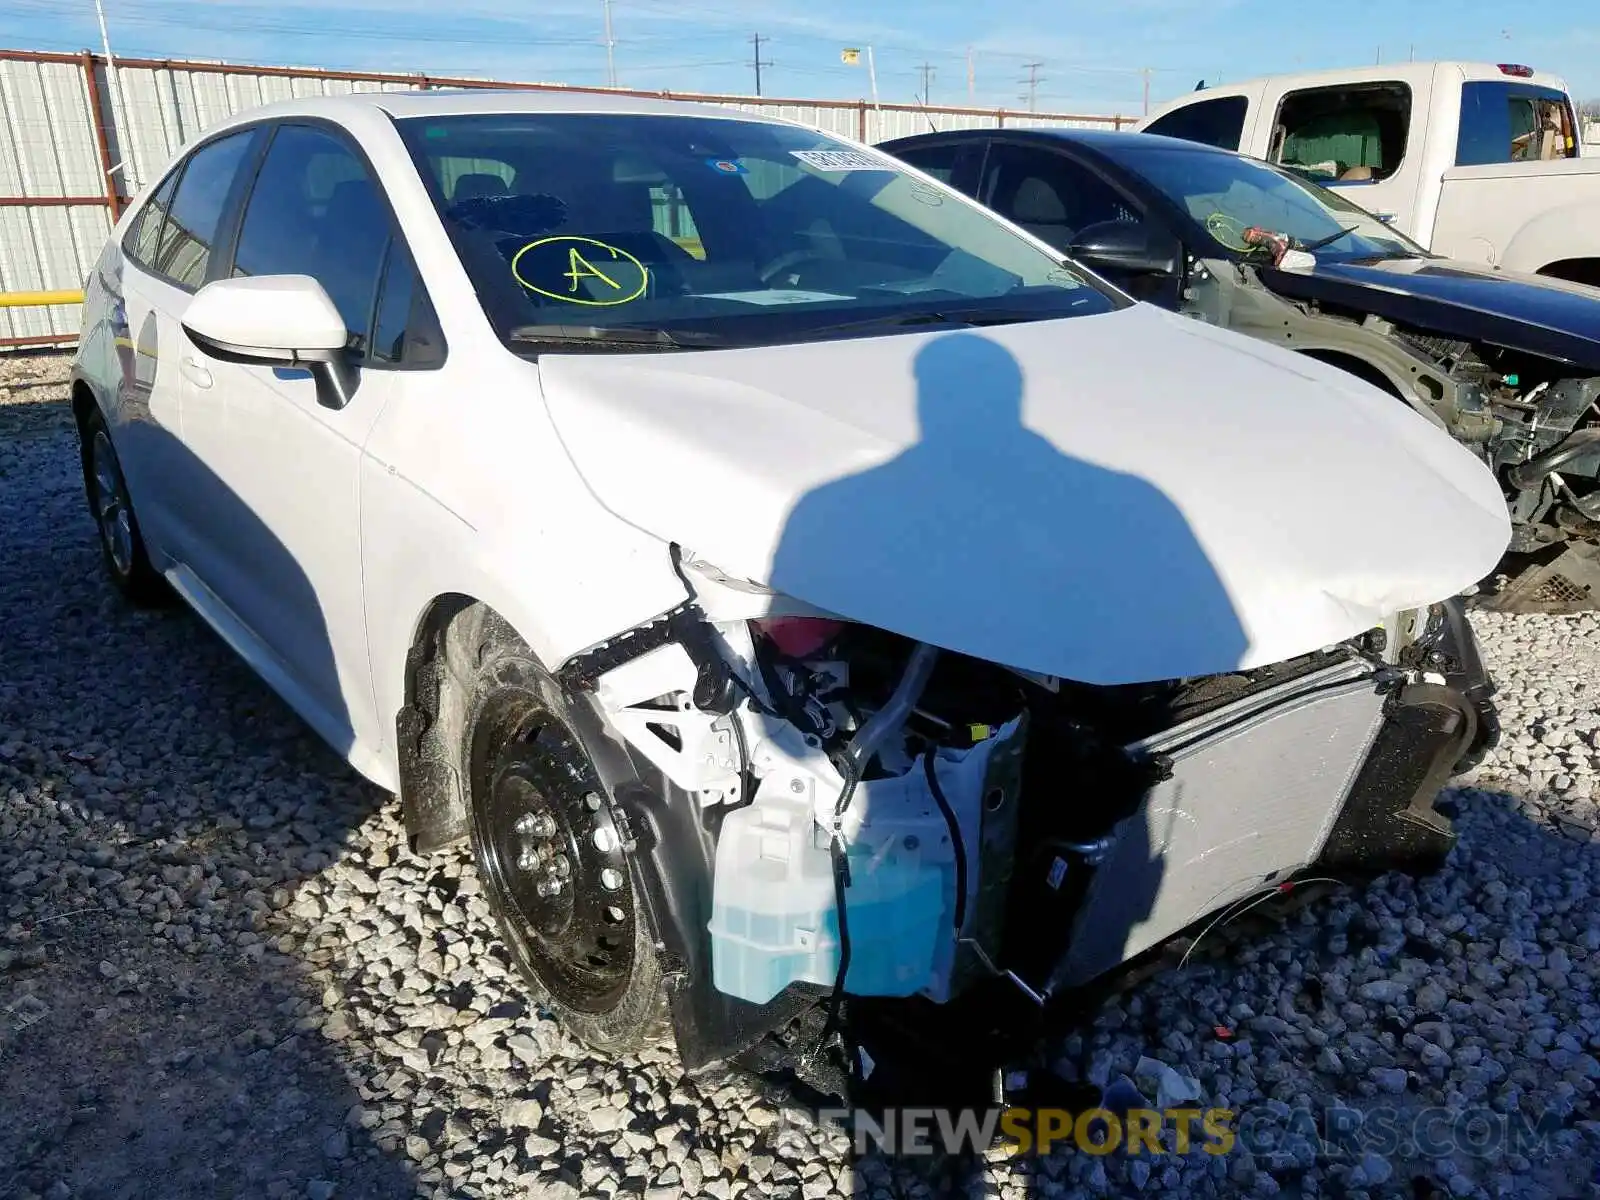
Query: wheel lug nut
{"x":611,"y":879}
{"x":592,"y":802}
{"x":563,"y":866}
{"x":527,"y":860}
{"x":605,"y":839}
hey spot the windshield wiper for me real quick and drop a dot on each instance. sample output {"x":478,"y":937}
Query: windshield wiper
{"x":1329,"y":240}
{"x":955,"y":316}
{"x":622,"y":335}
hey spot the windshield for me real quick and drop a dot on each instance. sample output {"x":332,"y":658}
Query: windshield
{"x":717,"y":231}
{"x":1229,"y":194}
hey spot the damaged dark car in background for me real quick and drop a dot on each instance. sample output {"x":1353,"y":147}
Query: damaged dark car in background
{"x":1507,"y":363}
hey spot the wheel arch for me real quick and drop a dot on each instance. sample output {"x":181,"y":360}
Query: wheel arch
{"x":675,"y":841}
{"x":1562,"y":234}
{"x":431,"y":723}
{"x":1354,"y":364}
{"x":1575,"y":270}
{"x":84,"y":400}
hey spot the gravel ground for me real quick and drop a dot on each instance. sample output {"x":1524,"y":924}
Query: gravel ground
{"x":222,"y":974}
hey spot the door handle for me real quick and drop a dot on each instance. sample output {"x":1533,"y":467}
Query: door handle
{"x":194,"y":371}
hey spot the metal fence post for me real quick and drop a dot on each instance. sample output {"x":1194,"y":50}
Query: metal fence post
{"x":102,"y":143}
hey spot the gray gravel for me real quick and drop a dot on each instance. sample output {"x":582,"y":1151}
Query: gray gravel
{"x":221,"y":973}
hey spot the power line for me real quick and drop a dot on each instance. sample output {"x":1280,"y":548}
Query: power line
{"x":755,"y":61}
{"x":927,"y":71}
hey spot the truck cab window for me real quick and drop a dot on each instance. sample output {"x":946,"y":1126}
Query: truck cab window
{"x":1218,"y":122}
{"x":1343,"y":134}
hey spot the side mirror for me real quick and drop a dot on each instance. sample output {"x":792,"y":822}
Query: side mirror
{"x":275,"y":320}
{"x":1127,"y":247}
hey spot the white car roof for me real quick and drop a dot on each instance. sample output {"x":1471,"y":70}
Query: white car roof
{"x":459,"y":101}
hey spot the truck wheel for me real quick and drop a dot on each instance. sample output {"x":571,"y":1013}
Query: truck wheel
{"x":562,"y":884}
{"x":121,"y":544}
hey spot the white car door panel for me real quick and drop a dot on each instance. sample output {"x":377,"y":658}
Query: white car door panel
{"x":282,"y":522}
{"x":146,"y":419}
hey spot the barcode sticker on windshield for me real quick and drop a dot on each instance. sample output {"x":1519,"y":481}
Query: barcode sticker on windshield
{"x":842,"y":160}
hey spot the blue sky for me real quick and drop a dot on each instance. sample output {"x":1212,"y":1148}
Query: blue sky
{"x":1092,"y":54}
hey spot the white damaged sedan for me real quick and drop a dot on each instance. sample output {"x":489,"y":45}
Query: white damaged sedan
{"x":803,"y":588}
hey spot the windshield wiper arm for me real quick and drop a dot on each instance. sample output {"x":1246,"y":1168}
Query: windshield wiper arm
{"x":1329,"y":240}
{"x":626,"y":335}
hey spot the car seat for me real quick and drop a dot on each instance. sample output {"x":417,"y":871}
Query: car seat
{"x":475,"y":184}
{"x":1038,"y":208}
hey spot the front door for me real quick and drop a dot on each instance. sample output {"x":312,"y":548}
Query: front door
{"x":1054,"y":197}
{"x":165,"y":259}
{"x":281,"y":521}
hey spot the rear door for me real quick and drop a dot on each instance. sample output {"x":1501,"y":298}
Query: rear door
{"x":280,"y":526}
{"x":167,"y":253}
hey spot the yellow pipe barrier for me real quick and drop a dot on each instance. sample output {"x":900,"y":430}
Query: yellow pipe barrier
{"x":37,"y":299}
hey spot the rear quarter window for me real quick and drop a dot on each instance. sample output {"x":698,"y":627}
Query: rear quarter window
{"x":1508,"y":122}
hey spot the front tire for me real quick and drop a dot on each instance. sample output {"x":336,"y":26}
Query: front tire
{"x":122,"y":547}
{"x":553,"y":862}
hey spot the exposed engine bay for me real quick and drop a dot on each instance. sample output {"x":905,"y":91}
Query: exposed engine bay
{"x":885,"y":820}
{"x":1533,"y":419}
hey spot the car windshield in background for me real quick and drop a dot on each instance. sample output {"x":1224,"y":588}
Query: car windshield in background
{"x":689,"y":231}
{"x":1229,"y":194}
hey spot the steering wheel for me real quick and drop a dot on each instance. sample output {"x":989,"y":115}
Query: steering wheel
{"x":789,"y":258}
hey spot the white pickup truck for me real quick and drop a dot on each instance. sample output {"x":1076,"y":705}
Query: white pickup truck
{"x":1481,"y":162}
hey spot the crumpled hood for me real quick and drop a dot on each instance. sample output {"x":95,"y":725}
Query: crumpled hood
{"x":1533,"y":313}
{"x":1114,"y":498}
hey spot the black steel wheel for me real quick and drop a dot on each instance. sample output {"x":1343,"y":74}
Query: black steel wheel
{"x":122,"y":546}
{"x":554,"y":862}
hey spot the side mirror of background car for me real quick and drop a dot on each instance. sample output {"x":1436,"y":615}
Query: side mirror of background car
{"x":275,"y":320}
{"x":1127,"y":247}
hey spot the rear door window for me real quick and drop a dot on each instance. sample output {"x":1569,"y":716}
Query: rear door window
{"x":1351,"y":134}
{"x":1218,"y":122}
{"x":1507,"y":122}
{"x":938,"y":160}
{"x":181,"y":250}
{"x":144,"y":235}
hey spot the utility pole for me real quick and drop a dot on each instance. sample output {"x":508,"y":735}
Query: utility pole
{"x":611,"y":56}
{"x":755,"y":40}
{"x":1032,"y":96}
{"x":1145,"y":71}
{"x":927,"y":79}
{"x":972,"y":80}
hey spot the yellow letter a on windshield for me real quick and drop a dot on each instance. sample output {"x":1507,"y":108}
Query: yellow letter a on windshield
{"x":579,"y":266}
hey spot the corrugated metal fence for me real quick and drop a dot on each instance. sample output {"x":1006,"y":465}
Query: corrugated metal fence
{"x":71,"y":144}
